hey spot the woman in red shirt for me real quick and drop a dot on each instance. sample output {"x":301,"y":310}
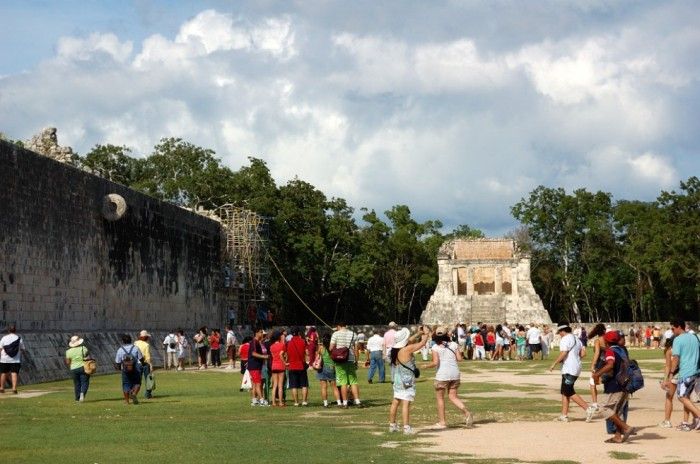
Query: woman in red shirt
{"x":279,"y":364}
{"x":215,"y":345}
{"x":243,"y":353}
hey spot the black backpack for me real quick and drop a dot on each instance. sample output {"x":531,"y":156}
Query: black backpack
{"x":128,"y":361}
{"x":12,"y":349}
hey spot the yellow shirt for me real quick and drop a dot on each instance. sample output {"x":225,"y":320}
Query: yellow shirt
{"x":145,"y":349}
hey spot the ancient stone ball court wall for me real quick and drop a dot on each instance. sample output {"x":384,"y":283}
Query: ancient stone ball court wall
{"x":74,"y":260}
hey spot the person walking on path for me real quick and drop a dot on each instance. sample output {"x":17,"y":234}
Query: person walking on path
{"x":598,"y":360}
{"x":128,"y":360}
{"x":670,"y":387}
{"x":75,"y":361}
{"x":375,"y":346}
{"x":146,"y":365}
{"x":686,"y":357}
{"x":11,"y":348}
{"x":617,"y":396}
{"x":570,"y":353}
{"x":445,"y":357}
{"x":346,"y":371}
{"x":405,"y":373}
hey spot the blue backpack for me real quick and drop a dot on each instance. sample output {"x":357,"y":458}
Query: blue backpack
{"x":630,"y":375}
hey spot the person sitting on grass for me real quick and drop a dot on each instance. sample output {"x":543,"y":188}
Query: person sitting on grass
{"x":404,"y":381}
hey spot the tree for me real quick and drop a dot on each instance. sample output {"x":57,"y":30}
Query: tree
{"x":113,"y":163}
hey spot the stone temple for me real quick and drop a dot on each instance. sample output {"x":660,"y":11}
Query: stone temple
{"x":483,"y":280}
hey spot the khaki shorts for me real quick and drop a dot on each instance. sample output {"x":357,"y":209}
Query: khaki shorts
{"x":614,"y":404}
{"x":446,"y":384}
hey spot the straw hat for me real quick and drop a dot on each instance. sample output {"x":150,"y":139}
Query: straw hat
{"x":75,"y":341}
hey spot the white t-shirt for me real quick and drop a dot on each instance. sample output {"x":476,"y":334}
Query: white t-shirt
{"x":533,"y":336}
{"x":447,"y":368}
{"x":375,"y":343}
{"x":171,"y":338}
{"x":230,"y":339}
{"x":6,"y":340}
{"x":572,"y":362}
{"x":461,"y":334}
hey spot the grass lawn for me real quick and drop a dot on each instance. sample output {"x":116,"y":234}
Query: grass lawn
{"x":199,"y":415}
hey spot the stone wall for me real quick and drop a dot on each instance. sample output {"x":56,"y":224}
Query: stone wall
{"x":64,"y":267}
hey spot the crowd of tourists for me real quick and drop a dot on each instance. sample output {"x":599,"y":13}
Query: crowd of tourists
{"x":276,"y":365}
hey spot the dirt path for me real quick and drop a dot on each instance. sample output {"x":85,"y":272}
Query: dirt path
{"x":575,"y":441}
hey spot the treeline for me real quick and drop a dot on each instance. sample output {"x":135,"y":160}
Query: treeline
{"x":382,"y":268}
{"x":593,"y":258}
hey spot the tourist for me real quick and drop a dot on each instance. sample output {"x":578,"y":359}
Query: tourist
{"x":461,"y":337}
{"x":145,"y":348}
{"x":479,"y":351}
{"x":326,"y":375}
{"x":520,"y":342}
{"x":570,"y":353}
{"x":498,"y":343}
{"x":405,"y":373}
{"x":297,"y":365}
{"x":617,"y":396}
{"x":547,"y":341}
{"x":375,"y":346}
{"x":230,"y":347}
{"x":128,"y":360}
{"x":597,"y":361}
{"x":686,"y":357}
{"x":215,"y":347}
{"x":243,"y":353}
{"x":388,"y":343}
{"x":201,"y":344}
{"x":170,"y":345}
{"x":278,"y":366}
{"x":75,"y":361}
{"x":445,"y":357}
{"x":311,"y":343}
{"x":346,"y":371}
{"x":670,"y":387}
{"x":534,"y":341}
{"x":507,"y":342}
{"x":182,"y":345}
{"x":11,"y":349}
{"x":490,"y":342}
{"x":647,"y":337}
{"x":257,"y":357}
{"x":656,"y":337}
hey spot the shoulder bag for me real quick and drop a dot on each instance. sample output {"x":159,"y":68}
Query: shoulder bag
{"x":89,"y":364}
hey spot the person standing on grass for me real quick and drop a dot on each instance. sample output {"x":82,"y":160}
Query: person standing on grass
{"x":346,"y":372}
{"x":686,"y":358}
{"x":326,"y":376}
{"x":215,"y":347}
{"x":128,"y":361}
{"x":11,"y":348}
{"x":311,"y":343}
{"x":278,"y":366}
{"x":298,"y":365}
{"x":182,"y":345}
{"x":570,"y":353}
{"x":231,"y":347}
{"x":257,"y":356}
{"x":75,"y":361}
{"x":201,"y":344}
{"x":170,"y":345}
{"x":479,"y":352}
{"x":598,"y":360}
{"x":146,"y":365}
{"x":389,"y":342}
{"x":534,"y":341}
{"x":404,"y":381}
{"x":375,"y":346}
{"x":445,"y":356}
{"x":617,"y":396}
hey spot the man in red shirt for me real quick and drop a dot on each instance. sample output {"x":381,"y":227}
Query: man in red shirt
{"x":296,"y":357}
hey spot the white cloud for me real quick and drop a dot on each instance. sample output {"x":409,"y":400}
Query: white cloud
{"x":75,"y":48}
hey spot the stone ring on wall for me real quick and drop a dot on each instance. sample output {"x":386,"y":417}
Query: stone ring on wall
{"x":113,"y":207}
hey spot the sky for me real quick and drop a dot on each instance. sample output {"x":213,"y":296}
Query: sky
{"x":457,"y":109}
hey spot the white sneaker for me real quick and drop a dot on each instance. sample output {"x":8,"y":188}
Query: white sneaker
{"x":82,"y":397}
{"x":562,"y":419}
{"x":590,"y":411}
{"x":408,"y":430}
{"x":393,"y":428}
{"x":264,"y":403}
{"x":665,"y":424}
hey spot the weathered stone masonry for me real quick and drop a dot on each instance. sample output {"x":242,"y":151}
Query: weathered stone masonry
{"x":65,"y":267}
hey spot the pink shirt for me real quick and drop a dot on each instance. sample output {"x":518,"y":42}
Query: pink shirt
{"x":389,"y":337}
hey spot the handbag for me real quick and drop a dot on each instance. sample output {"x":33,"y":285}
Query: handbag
{"x":89,"y":364}
{"x":318,"y":362}
{"x":341,"y":355}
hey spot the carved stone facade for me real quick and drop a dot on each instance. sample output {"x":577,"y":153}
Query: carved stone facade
{"x":483,"y":280}
{"x":46,"y":143}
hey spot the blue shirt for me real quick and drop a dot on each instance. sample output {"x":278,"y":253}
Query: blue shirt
{"x":687,"y":347}
{"x":124,"y":350}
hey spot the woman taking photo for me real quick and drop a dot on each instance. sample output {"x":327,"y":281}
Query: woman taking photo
{"x":446,"y":355}
{"x":75,"y":361}
{"x":404,"y":376}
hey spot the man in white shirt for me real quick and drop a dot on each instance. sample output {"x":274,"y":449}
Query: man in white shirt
{"x":231,"y":343}
{"x":570,"y":353}
{"x":534,"y":341}
{"x":11,"y":348}
{"x":375,"y":346}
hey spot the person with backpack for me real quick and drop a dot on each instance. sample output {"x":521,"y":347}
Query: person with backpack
{"x":611,"y":374}
{"x":11,"y":348}
{"x":170,"y":345}
{"x":128,"y":360}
